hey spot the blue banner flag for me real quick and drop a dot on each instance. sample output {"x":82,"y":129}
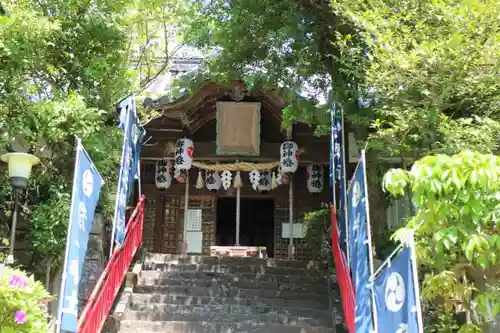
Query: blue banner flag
{"x":87,"y":183}
{"x":360,"y":248}
{"x":339,"y":174}
{"x":129,"y":170}
{"x":395,"y":296}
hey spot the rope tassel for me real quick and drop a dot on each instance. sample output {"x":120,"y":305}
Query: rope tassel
{"x":199,"y":182}
{"x":238,"y":183}
{"x":274,"y":182}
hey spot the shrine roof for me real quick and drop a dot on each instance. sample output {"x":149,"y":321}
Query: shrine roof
{"x":196,"y":109}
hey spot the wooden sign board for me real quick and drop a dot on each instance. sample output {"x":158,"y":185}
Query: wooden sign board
{"x":238,"y":128}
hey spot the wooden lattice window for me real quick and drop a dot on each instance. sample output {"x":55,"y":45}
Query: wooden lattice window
{"x":171,"y":217}
{"x":148,"y":234}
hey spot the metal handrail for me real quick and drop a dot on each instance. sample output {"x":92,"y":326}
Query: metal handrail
{"x":101,"y":300}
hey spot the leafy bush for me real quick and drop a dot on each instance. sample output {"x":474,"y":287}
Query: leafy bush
{"x":23,"y":303}
{"x":318,"y":234}
{"x":457,"y":233}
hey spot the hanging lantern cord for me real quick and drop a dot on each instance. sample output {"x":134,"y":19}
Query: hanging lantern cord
{"x":238,"y":214}
{"x":186,"y":205}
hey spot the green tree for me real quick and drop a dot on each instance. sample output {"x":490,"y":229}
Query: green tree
{"x":63,"y":66}
{"x":457,"y":231}
{"x":431,"y":78}
{"x":421,"y":74}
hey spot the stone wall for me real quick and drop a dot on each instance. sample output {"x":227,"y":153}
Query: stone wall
{"x":94,"y":263}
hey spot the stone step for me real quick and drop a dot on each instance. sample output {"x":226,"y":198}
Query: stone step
{"x":250,"y":277}
{"x":228,"y":309}
{"x":221,"y":317}
{"x":128,"y":326}
{"x":182,"y":299}
{"x":229,"y":281}
{"x":237,"y":261}
{"x":229,"y":269}
{"x":223,"y":291}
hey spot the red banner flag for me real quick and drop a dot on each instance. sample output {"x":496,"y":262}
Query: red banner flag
{"x":343,"y":276}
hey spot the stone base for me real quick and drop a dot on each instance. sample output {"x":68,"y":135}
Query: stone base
{"x":238,"y":251}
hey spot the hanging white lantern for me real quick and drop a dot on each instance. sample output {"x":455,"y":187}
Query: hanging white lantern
{"x":254,"y":177}
{"x":226,"y":179}
{"x":289,"y":157}
{"x":163,"y":174}
{"x":184,"y":152}
{"x":265,"y":184}
{"x":212,"y":180}
{"x":315,"y":178}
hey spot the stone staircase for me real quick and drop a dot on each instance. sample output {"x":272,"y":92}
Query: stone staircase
{"x":200,"y":294}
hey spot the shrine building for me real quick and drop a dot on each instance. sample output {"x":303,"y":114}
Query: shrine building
{"x":222,"y":177}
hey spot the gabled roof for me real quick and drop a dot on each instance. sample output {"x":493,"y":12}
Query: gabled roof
{"x":197,"y":109}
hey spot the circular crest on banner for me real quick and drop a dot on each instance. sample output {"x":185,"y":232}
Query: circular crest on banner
{"x":356,"y":194}
{"x":87,"y":183}
{"x":395,"y":292}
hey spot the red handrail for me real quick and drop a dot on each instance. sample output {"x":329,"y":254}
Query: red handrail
{"x":103,"y":297}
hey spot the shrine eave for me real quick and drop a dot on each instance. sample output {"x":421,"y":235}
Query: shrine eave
{"x":197,"y":109}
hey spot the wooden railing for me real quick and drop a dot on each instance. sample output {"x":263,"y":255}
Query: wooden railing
{"x":103,"y":297}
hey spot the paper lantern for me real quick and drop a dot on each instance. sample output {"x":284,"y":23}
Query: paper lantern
{"x":289,"y":157}
{"x":184,"y":152}
{"x":212,"y":180}
{"x":163,"y":174}
{"x":265,"y":181}
{"x":315,"y":178}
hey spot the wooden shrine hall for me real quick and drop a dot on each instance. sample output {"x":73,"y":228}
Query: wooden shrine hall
{"x":222,"y":177}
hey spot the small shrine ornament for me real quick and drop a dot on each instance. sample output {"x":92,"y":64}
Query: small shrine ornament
{"x":265,"y":184}
{"x":315,"y":177}
{"x":184,"y":152}
{"x":226,"y":178}
{"x":163,"y":174}
{"x":212,"y":180}
{"x":289,"y":157}
{"x":254,"y":177}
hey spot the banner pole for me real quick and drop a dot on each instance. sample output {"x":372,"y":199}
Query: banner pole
{"x":332,"y":154}
{"x":66,"y":254}
{"x":416,"y":286}
{"x":344,"y":194}
{"x":369,"y":240}
{"x":386,"y":261}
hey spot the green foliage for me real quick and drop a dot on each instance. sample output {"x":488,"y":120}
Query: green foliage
{"x":457,"y":230}
{"x":441,"y":323}
{"x":23,"y":303}
{"x":63,"y":66}
{"x":432,"y":74}
{"x":291,"y":45}
{"x":317,"y":229}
